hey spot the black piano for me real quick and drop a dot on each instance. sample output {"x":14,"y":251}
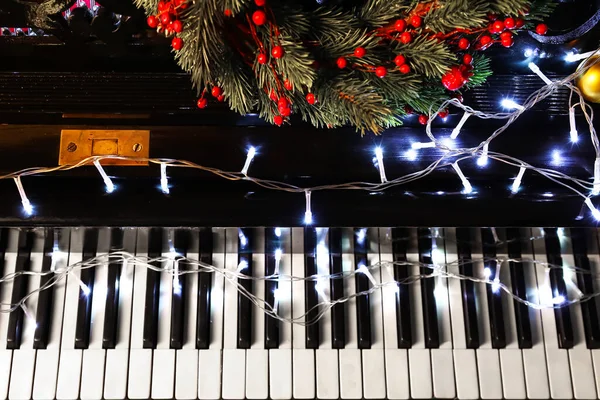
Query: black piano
{"x":167,"y":274}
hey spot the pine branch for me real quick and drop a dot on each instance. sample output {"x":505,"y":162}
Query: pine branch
{"x":427,"y":56}
{"x":238,"y":83}
{"x":508,"y":7}
{"x":450,"y":15}
{"x":236,"y":6}
{"x":376,"y":13}
{"x":481,"y":71}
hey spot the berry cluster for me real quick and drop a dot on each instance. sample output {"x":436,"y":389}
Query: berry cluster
{"x":168,"y":20}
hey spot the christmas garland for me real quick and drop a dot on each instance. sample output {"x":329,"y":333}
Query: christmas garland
{"x":364,"y":63}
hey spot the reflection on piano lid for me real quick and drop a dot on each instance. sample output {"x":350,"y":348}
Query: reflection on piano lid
{"x":429,"y":338}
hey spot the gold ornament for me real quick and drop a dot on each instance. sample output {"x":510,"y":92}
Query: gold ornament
{"x":589,"y":81}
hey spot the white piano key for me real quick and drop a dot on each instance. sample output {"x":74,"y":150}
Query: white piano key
{"x":373,"y":363}
{"x":396,"y":360}
{"x":163,"y":374}
{"x":234,"y":374}
{"x":304,"y":375}
{"x":257,"y":357}
{"x":217,"y":291}
{"x":92,"y":377}
{"x":350,"y":374}
{"x":534,"y":359}
{"x":513,"y":375}
{"x":420,"y":373}
{"x":140,"y":374}
{"x":209,"y":374}
{"x":117,"y":359}
{"x":186,"y":383}
{"x":419,"y":358}
{"x":280,"y":360}
{"x":327,"y":374}
{"x":21,"y":378}
{"x":443,"y":373}
{"x":580,"y":358}
{"x":69,"y":370}
{"x":280,"y":374}
{"x":488,"y":367}
{"x":465,"y":369}
{"x":46,"y":366}
{"x":557,"y":360}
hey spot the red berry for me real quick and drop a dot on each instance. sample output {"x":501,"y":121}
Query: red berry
{"x":165,"y":18}
{"x":405,"y":68}
{"x":288,"y":85}
{"x":262,"y":58}
{"x":277,"y":52}
{"x":485,"y":41}
{"x":406,"y":37}
{"x":541,"y":29}
{"x":467,"y":59}
{"x":423,"y":119}
{"x":177,"y":26}
{"x":400,"y":25}
{"x":202,"y":103}
{"x":463,"y":44}
{"x":216,"y":91}
{"x":506,"y":36}
{"x":221,"y":98}
{"x":510,"y":23}
{"x":399,"y":60}
{"x":408,"y":110}
{"x":177,"y":43}
{"x":273,"y":95}
{"x":152,"y":21}
{"x":443,"y":114}
{"x":285,"y":111}
{"x":416,"y":21}
{"x":381,"y":72}
{"x":278,"y":120}
{"x":498,"y":26}
{"x":162,"y":6}
{"x":341,"y":63}
{"x":310,"y":98}
{"x":182,"y":4}
{"x":492,"y":17}
{"x":260,"y":3}
{"x":227,"y":13}
{"x":259,"y":17}
{"x":520,"y":23}
{"x":507,"y":42}
{"x":454,"y":79}
{"x":283,"y":103}
{"x":360,"y":52}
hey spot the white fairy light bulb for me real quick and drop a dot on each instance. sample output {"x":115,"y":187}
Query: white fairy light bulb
{"x":278,"y":254}
{"x":379,"y":155}
{"x":558,"y":300}
{"x":517,"y":182}
{"x":572,"y":57}
{"x":482,"y":161}
{"x":308,"y":217}
{"x":110,"y":187}
{"x":456,"y":130}
{"x":29,"y":315}
{"x":536,"y":70}
{"x":422,"y":145}
{"x":466,"y":184}
{"x":27,"y":207}
{"x":164,"y":182}
{"x":487,"y":273}
{"x":411,"y":154}
{"x":511,"y":105}
{"x":573,"y":132}
{"x":242,"y":266}
{"x":596,"y":188}
{"x":365,"y":271}
{"x":593,"y":209}
{"x":249,"y":157}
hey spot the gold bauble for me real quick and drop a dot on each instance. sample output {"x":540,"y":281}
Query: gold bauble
{"x":589,"y":81}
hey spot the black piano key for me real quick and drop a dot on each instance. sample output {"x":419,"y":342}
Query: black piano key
{"x":363,"y":304}
{"x":204,"y":289}
{"x":4,"y":233}
{"x":19,"y":290}
{"x":589,"y":309}
{"x":54,"y":240}
{"x":155,"y":246}
{"x":562,"y":315}
{"x":467,"y":287}
{"x":181,"y":243}
{"x":311,"y":297}
{"x":519,"y":288}
{"x":84,"y":308}
{"x":272,"y":244}
{"x":494,"y":297}
{"x":244,"y":322}
{"x":400,"y":241}
{"x":338,"y":315}
{"x":430,"y":320}
{"x":111,"y":313}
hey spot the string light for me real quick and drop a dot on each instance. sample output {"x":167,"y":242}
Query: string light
{"x":594,"y":210}
{"x":536,"y":70}
{"x":411,"y":154}
{"x":85,"y":289}
{"x":249,"y":157}
{"x":242,"y":266}
{"x":176,"y":283}
{"x":278,"y":232}
{"x":573,"y":132}
{"x":110,"y":187}
{"x":596,"y":189}
{"x":361,"y":235}
{"x":243,"y":238}
{"x":511,"y":105}
{"x":29,"y":315}
{"x":558,"y":300}
{"x":496,"y":281}
{"x":572,"y":57}
{"x":308,"y":217}
{"x":487,"y":273}
{"x":557,"y":158}
{"x":422,"y":145}
{"x":466,"y":184}
{"x":379,"y":155}
{"x":27,"y":207}
{"x":482,"y":161}
{"x":278,"y":254}
{"x":365,"y":271}
{"x":456,"y":130}
{"x":164,"y":182}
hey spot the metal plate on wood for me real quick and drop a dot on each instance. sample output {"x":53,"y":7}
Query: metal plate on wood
{"x":79,"y":144}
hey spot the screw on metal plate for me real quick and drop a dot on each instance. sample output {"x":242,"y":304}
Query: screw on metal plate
{"x":71,"y":147}
{"x":137,"y":147}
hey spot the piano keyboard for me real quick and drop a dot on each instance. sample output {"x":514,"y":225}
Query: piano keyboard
{"x":116,"y":331}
